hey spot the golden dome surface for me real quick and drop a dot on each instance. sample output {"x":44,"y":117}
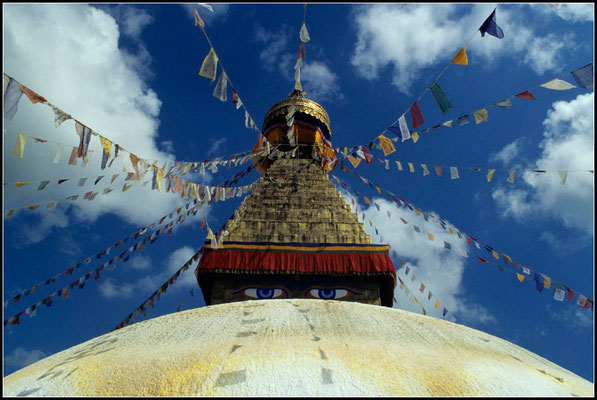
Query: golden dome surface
{"x":301,"y":104}
{"x":295,"y":347}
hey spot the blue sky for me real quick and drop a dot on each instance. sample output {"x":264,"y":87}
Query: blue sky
{"x":130,"y":72}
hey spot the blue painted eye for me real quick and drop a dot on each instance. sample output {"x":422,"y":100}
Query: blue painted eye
{"x":330,"y":294}
{"x":263,"y":293}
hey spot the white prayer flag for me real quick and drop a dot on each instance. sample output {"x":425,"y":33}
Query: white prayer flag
{"x":559,"y":294}
{"x":403,"y":128}
{"x":220,"y":91}
{"x":454,"y":172}
{"x":304,"y":34}
{"x":512,"y":173}
{"x":558,"y":84}
{"x":425,"y":169}
{"x":563,"y":175}
{"x":399,"y":165}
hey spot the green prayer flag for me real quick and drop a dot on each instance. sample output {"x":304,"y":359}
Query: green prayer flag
{"x":440,"y":98}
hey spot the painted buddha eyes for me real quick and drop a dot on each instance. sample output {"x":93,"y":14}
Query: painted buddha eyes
{"x":329,"y":294}
{"x":312,"y":293}
{"x":263,"y":293}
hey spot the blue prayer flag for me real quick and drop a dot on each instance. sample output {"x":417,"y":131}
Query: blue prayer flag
{"x":463,"y":120}
{"x":584,"y":76}
{"x":490,"y":26}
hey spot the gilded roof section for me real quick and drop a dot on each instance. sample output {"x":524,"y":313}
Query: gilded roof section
{"x":301,"y":104}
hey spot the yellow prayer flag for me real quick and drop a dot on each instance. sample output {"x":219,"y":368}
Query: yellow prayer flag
{"x":378,"y":189}
{"x":411,"y":166}
{"x":490,"y":175}
{"x":19,"y":184}
{"x":495,"y":255}
{"x":209,"y":65}
{"x":20,"y":145}
{"x":386,"y":145}
{"x":520,"y":277}
{"x":366,"y":200}
{"x":480,"y":115}
{"x":125,"y":187}
{"x":436,"y":303}
{"x":546,"y":282}
{"x":106,"y":144}
{"x":430,"y":236}
{"x":414,"y":136}
{"x":460,"y":58}
{"x":159,"y":177}
{"x":417,"y":211}
{"x":32,"y":206}
{"x":354,"y":161}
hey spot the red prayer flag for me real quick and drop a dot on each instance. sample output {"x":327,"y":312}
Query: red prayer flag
{"x":234,"y":96}
{"x":570,"y":295}
{"x":32,"y":96}
{"x":301,"y":52}
{"x":482,"y":259}
{"x":526,"y":95}
{"x":417,"y":115}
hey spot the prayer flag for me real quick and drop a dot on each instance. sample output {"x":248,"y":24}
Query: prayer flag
{"x":398,"y":165}
{"x":480,"y":115}
{"x":460,"y":58}
{"x":463,"y":120}
{"x":354,"y":161}
{"x":198,"y":21}
{"x":520,"y":277}
{"x":19,"y":184}
{"x":436,"y":303}
{"x":557,"y":84}
{"x":570,"y":295}
{"x":438,"y":170}
{"x":491,"y":27}
{"x":19,"y":147}
{"x":59,"y":116}
{"x":563,"y":175}
{"x":52,"y":204}
{"x":444,"y":312}
{"x":454,"y":173}
{"x":425,"y":170}
{"x":447,"y":245}
{"x":584,"y":76}
{"x":304,"y":34}
{"x":404,"y":132}
{"x":386,"y":145}
{"x":417,"y":115}
{"x":440,"y":98}
{"x":504,"y":103}
{"x":32,"y":96}
{"x":490,"y":175}
{"x":12,"y":95}
{"x":85,"y":136}
{"x":448,"y":123}
{"x":559,"y":294}
{"x":411,"y":167}
{"x":301,"y":53}
{"x":220,"y":91}
{"x":430,"y":236}
{"x":512,"y":173}
{"x":526,"y":95}
{"x":422,"y":288}
{"x":209,"y":65}
{"x":58,"y":153}
{"x":415,"y":136}
{"x":526,"y":270}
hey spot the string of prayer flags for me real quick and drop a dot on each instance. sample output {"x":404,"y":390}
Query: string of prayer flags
{"x":440,"y":97}
{"x":209,"y":66}
{"x":491,"y":27}
{"x":584,"y":76}
{"x":460,"y":58}
{"x":526,"y":95}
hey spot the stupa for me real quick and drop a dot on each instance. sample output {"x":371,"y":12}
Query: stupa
{"x":298,"y":304}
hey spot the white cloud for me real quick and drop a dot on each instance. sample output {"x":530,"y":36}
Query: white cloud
{"x":215,"y":145}
{"x":275,"y":53}
{"x":447,"y":27}
{"x":112,"y":290}
{"x":576,"y":11}
{"x":21,"y":357}
{"x":219,"y":13}
{"x":69,"y":53}
{"x":568,"y":144}
{"x":320,"y":82}
{"x":573,"y":317}
{"x":141,"y":262}
{"x":440,"y":270}
{"x":508,"y":153}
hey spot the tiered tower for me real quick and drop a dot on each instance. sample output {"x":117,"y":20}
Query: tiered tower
{"x":294,"y":236}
